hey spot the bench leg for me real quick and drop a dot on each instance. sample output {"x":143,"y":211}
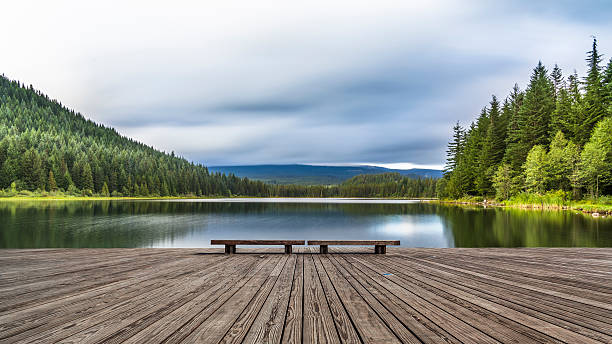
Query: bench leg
{"x":323,"y":249}
{"x":229,"y":249}
{"x":380,"y":249}
{"x":288,"y":249}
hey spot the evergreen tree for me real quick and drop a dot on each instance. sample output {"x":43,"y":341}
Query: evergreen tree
{"x":557,"y":79}
{"x":596,"y":159}
{"x":87,"y":178}
{"x":536,"y":111}
{"x":31,"y":170}
{"x":513,"y":155}
{"x":503,"y":181}
{"x":492,"y":150}
{"x":454,"y":148}
{"x":562,"y":116}
{"x":535,"y":168}
{"x":105,"y":191}
{"x":576,"y":114}
{"x":559,"y":168}
{"x":51,"y":184}
{"x":607,"y":87}
{"x":594,"y":97}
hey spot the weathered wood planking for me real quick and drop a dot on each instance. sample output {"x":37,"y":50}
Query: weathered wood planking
{"x":556,"y":295}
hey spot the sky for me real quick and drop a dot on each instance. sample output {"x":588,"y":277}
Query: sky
{"x":275,"y":82}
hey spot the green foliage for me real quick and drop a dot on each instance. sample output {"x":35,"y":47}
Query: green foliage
{"x":504,"y":183}
{"x":51,"y":184}
{"x":554,"y":136}
{"x":105,"y":192}
{"x":594,"y":98}
{"x":536,"y":169}
{"x":596,"y":160}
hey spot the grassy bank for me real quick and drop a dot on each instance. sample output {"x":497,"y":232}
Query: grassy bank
{"x":549,"y":201}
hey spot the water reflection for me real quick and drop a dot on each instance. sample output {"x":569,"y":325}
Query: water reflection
{"x":194,"y":223}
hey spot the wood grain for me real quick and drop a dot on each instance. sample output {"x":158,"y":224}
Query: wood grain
{"x":420,"y":295}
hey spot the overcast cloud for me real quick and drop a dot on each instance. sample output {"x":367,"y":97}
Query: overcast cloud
{"x":228,"y":82}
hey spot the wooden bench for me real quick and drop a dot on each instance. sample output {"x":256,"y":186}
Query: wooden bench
{"x":380,"y":246}
{"x":230,"y":245}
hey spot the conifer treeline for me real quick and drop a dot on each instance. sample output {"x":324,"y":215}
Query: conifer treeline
{"x":555,"y":135}
{"x":45,"y":147}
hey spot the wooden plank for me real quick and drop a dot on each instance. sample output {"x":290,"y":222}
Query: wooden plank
{"x":268,"y":325}
{"x":547,"y":328}
{"x":344,"y":325}
{"x":426,"y":330}
{"x":182,"y":295}
{"x":126,"y":317}
{"x":178,"y":324}
{"x":292,"y":329}
{"x":392,"y":323}
{"x":370,"y":327}
{"x":215,"y":328}
{"x":257,"y":242}
{"x":354,"y":242}
{"x":318,"y":323}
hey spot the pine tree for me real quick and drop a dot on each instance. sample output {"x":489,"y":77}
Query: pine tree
{"x":594,"y":109}
{"x":87,"y":178}
{"x":576,"y":114}
{"x":512,"y":155}
{"x":105,"y":191}
{"x":454,"y":148}
{"x":607,"y":87}
{"x":558,"y":169}
{"x":495,"y":143}
{"x":596,"y":159}
{"x":51,"y":184}
{"x":534,"y":114}
{"x":492,"y":150}
{"x":561,"y":119}
{"x":535,"y":170}
{"x":31,"y":170}
{"x":557,"y":79}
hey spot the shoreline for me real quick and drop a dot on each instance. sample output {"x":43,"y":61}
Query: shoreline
{"x":595,"y":210}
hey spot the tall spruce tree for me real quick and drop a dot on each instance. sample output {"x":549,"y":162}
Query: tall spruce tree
{"x":594,"y":109}
{"x":535,"y":113}
{"x":607,"y":87}
{"x":454,"y":148}
{"x":493,"y":148}
{"x":513,"y":144}
{"x":475,"y":146}
{"x":557,"y":79}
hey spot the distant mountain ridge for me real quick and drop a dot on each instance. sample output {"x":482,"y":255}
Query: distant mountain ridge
{"x":314,"y":174}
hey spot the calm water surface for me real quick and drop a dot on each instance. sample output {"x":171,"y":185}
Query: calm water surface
{"x":192,"y":223}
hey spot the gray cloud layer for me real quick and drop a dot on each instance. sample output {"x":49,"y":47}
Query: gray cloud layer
{"x":279,"y":82}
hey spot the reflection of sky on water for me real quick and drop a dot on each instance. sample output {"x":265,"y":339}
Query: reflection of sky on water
{"x":411,"y":230}
{"x":193,"y":223}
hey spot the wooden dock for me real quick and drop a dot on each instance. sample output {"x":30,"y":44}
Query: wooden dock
{"x":347,"y":296}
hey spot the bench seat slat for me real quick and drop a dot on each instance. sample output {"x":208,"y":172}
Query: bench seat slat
{"x":257,"y":242}
{"x":354,"y":242}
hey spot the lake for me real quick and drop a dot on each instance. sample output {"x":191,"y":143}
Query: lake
{"x":193,"y":223}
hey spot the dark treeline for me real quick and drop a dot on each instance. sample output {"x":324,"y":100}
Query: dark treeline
{"x":46,"y":148}
{"x":555,"y":136}
{"x":364,"y":185}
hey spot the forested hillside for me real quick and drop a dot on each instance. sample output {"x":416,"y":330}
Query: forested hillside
{"x":553,"y":137}
{"x":45,"y":146}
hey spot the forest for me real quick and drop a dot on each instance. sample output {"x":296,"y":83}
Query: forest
{"x":552,"y":139}
{"x":47,"y":149}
